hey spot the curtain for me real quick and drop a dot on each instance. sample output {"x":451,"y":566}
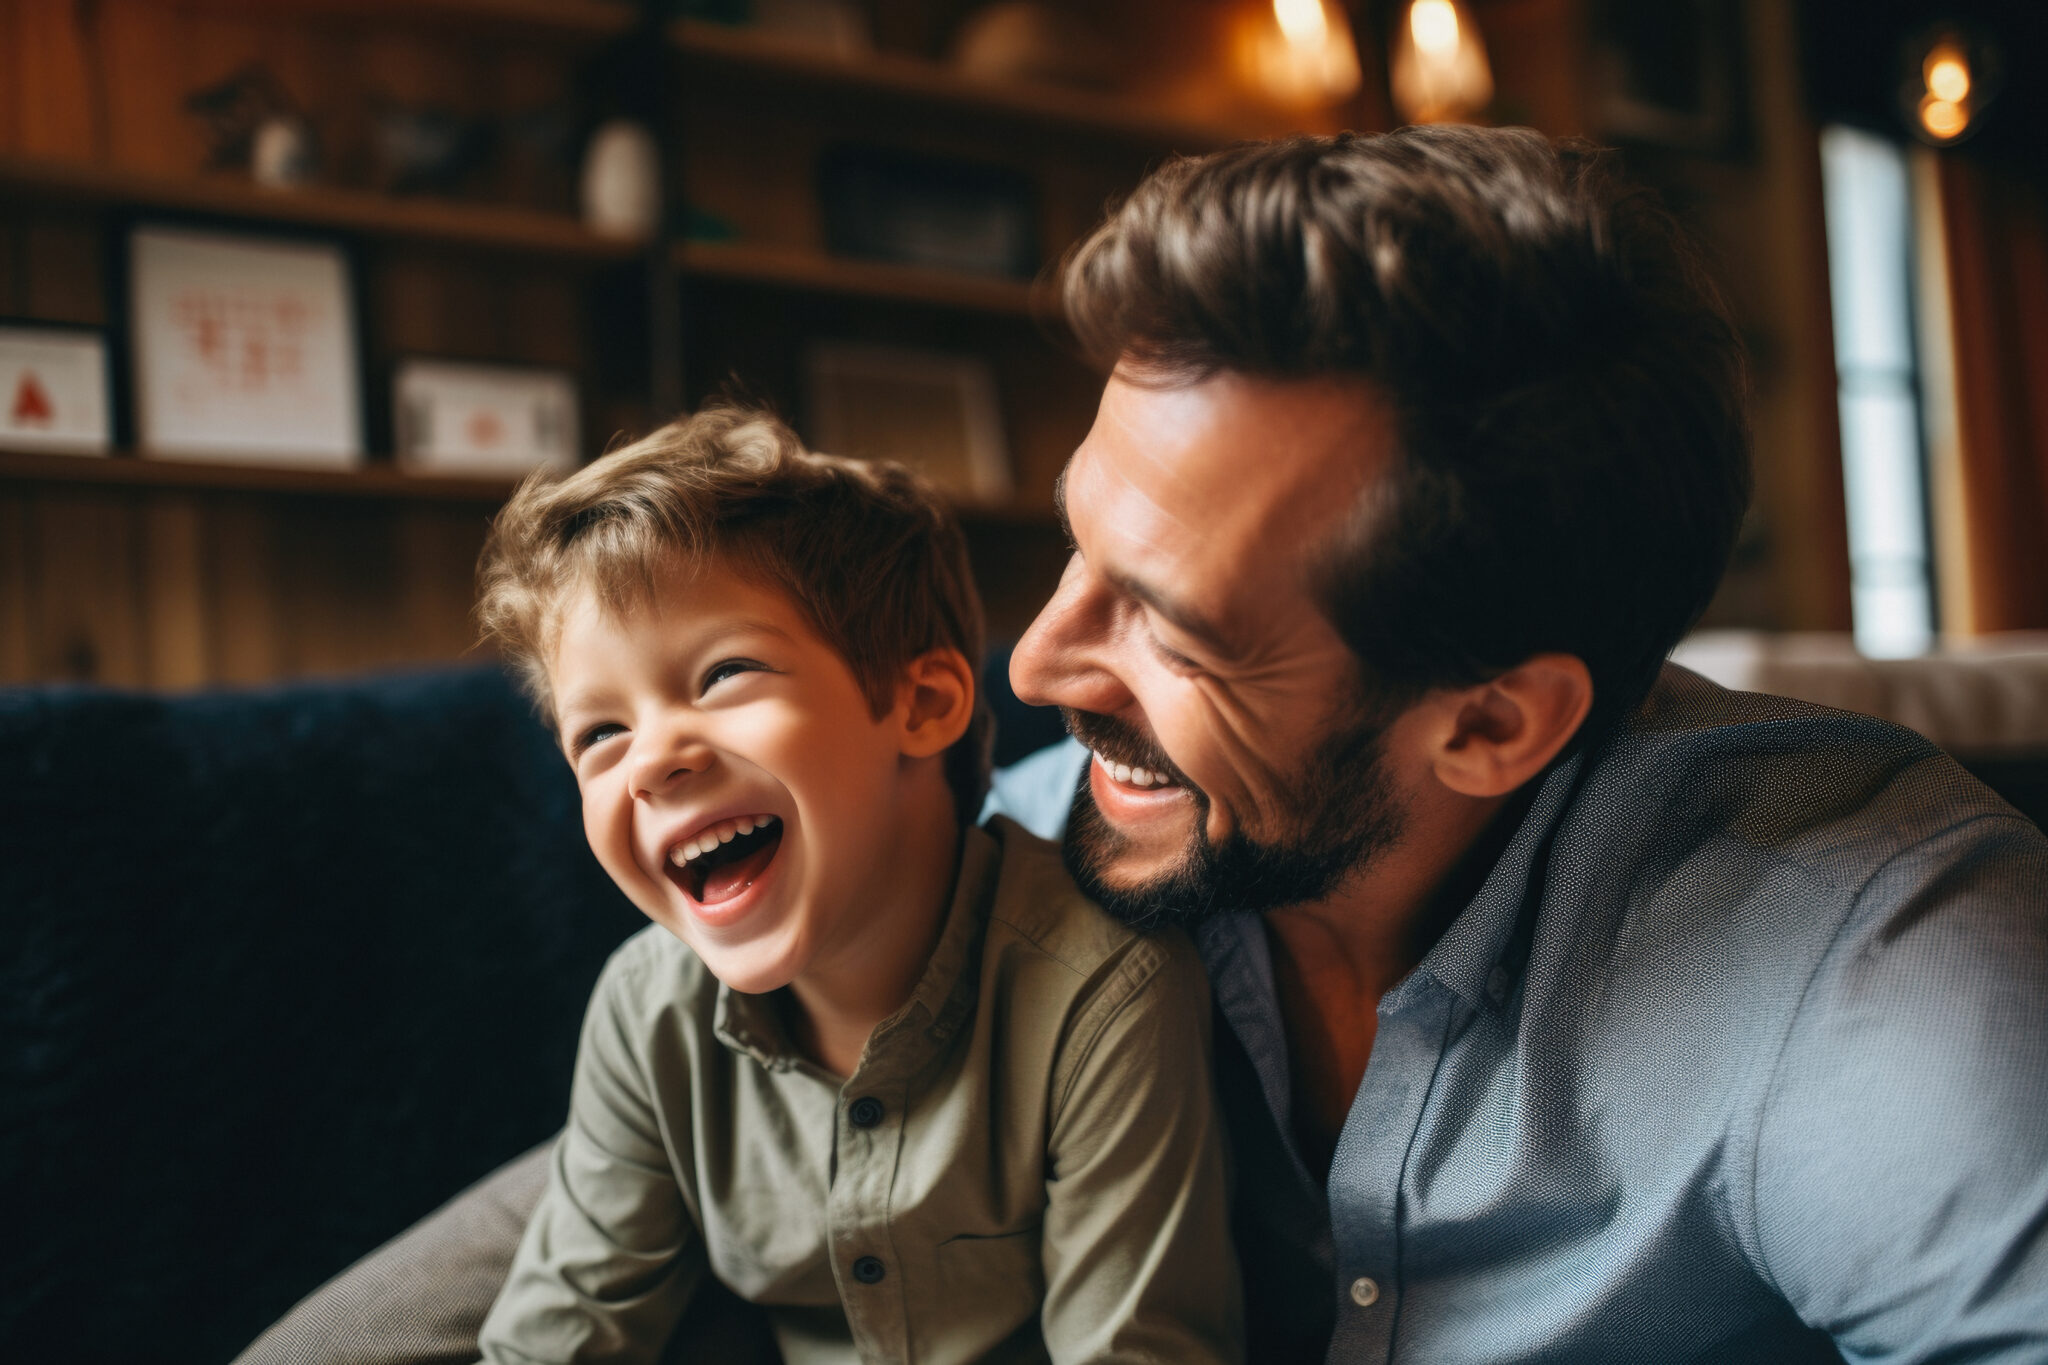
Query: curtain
{"x":1994,"y":222}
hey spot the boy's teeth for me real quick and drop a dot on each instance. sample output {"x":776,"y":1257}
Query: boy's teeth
{"x":724,"y":832}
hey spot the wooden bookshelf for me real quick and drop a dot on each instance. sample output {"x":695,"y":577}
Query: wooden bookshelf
{"x":376,"y":479}
{"x":904,"y":79}
{"x":129,"y":470}
{"x":584,"y":19}
{"x":796,"y":268}
{"x":522,"y":231}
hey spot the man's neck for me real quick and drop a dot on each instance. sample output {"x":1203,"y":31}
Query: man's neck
{"x":835,"y":1007}
{"x":1334,"y":959}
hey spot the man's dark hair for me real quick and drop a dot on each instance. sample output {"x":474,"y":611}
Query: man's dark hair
{"x":1566,"y":390}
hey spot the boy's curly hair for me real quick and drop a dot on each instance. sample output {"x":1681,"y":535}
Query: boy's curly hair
{"x":868,"y":551}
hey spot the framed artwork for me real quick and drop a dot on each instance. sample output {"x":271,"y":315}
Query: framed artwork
{"x":245,"y":349}
{"x":931,"y":410}
{"x":53,"y":390}
{"x":483,"y":419}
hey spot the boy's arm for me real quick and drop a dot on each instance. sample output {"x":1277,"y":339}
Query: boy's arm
{"x":612,"y":1254}
{"x":1137,"y":1252}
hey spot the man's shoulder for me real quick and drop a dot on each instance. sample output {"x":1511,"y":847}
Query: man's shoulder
{"x":1836,"y":793}
{"x":1041,"y":920}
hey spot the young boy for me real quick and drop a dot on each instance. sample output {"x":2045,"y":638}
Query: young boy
{"x":882,"y":1072}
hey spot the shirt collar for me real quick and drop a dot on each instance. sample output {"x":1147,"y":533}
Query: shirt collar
{"x":1486,"y":947}
{"x":944,"y":995}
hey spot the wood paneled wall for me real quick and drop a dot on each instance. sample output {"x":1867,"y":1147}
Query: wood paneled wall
{"x":169,"y":589}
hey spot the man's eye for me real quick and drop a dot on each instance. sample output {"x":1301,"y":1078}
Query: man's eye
{"x":727,"y":668}
{"x":1171,"y":657}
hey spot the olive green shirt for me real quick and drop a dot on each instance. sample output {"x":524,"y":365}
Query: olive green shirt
{"x":1025,"y":1166}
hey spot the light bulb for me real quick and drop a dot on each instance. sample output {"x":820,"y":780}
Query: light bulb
{"x":1948,"y":76}
{"x":1943,"y":119}
{"x":1434,"y":26}
{"x":1303,"y":21}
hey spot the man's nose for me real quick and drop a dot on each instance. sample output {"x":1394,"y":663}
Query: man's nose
{"x":1063,"y":658}
{"x":667,"y":760}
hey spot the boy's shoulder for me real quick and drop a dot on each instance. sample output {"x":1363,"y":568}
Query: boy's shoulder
{"x":1038,"y":911}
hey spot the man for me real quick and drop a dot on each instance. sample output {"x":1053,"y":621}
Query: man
{"x":1571,"y":1010}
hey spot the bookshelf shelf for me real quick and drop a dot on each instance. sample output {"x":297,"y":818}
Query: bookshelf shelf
{"x":590,"y":19}
{"x":521,"y":231}
{"x":904,"y":79}
{"x":381,"y":481}
{"x":375,"y":480}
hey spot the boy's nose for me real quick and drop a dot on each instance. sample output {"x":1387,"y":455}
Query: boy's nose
{"x":665,"y":764}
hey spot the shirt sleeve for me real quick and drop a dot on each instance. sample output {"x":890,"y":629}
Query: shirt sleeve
{"x":1037,"y":791}
{"x":1901,"y":1180}
{"x":1138,"y":1259}
{"x":613,"y":1253}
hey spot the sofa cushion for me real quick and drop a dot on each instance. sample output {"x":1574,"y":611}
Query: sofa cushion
{"x":281,"y":970}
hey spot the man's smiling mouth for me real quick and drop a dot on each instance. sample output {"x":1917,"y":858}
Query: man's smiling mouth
{"x":1141,"y":778}
{"x":722,"y":860}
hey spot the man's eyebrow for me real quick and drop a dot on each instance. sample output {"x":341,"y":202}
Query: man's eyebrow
{"x":1059,"y":504}
{"x":1178,"y":614}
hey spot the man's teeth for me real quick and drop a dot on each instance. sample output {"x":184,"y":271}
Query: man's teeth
{"x":1133,"y":777}
{"x":724,"y":832}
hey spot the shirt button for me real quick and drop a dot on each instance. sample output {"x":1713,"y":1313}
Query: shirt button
{"x":869,"y":1270}
{"x":1365,"y":1291}
{"x":866,"y":1112}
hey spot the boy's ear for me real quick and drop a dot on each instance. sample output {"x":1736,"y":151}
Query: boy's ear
{"x":939,"y":688}
{"x":1492,"y":738}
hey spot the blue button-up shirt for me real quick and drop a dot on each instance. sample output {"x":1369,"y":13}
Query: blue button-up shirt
{"x":1739,"y":1054}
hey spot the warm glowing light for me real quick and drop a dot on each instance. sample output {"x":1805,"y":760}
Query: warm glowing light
{"x":1943,"y":119}
{"x":1439,"y":72}
{"x":1303,"y":21}
{"x":1434,"y":26}
{"x":1948,"y":75}
{"x":1304,"y":55}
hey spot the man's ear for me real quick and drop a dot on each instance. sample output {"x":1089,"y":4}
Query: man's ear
{"x":1494,"y":737}
{"x":938,"y":699}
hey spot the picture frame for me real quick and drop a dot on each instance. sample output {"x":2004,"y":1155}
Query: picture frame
{"x":54,"y":392}
{"x":245,"y":348}
{"x":933,"y":411}
{"x":455,"y":417}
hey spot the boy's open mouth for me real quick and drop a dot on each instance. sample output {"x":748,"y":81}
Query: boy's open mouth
{"x":724,"y":859}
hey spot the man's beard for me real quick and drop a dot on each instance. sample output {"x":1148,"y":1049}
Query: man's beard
{"x":1336,"y":816}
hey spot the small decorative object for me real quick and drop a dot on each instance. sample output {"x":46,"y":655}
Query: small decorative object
{"x":483,"y":419}
{"x":1024,"y":40}
{"x":622,"y":181}
{"x":245,"y":349}
{"x":282,"y":155}
{"x":429,"y":150}
{"x":919,"y":210}
{"x":1439,"y":72}
{"x":1300,"y":52}
{"x":835,"y":26}
{"x":256,"y":127}
{"x":932,"y":410}
{"x":53,"y":384}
